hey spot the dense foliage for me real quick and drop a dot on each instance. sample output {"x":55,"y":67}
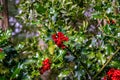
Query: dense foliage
{"x":78,"y":40}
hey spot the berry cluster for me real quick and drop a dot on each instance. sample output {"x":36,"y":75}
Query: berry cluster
{"x":59,"y":38}
{"x":46,"y":64}
{"x":113,"y":74}
{"x":111,"y":21}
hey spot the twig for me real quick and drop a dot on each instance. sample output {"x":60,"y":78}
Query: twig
{"x":86,"y":69}
{"x":106,"y":63}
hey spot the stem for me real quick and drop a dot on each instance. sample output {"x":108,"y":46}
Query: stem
{"x":106,"y":63}
{"x":86,"y":69}
{"x":71,"y":52}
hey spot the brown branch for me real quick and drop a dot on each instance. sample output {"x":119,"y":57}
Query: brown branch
{"x":4,"y":13}
{"x":106,"y":63}
{"x":86,"y":69}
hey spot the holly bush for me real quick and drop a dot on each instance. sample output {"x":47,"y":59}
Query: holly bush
{"x":78,"y":40}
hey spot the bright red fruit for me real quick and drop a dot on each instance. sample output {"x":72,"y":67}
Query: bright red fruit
{"x":1,"y":49}
{"x":113,"y":74}
{"x":110,"y":72}
{"x":46,"y":61}
{"x":46,"y":64}
{"x":59,"y":38}
{"x":116,"y":75}
{"x":105,"y":78}
{"x":113,"y":21}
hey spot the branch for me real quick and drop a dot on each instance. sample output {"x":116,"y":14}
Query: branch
{"x":86,"y":69}
{"x":106,"y":63}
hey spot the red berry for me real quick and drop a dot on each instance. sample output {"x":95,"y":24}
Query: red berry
{"x":1,"y":49}
{"x":59,"y":38}
{"x":113,"y":21}
{"x":113,"y":74}
{"x":108,"y":21}
{"x":46,"y":64}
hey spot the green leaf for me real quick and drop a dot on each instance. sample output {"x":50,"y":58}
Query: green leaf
{"x":91,"y":55}
{"x":16,"y":71}
{"x":68,"y":3}
{"x":101,"y":58}
{"x":109,"y":49}
{"x":73,"y":6}
{"x":107,"y":29}
{"x":51,"y":47}
{"x":115,"y":64}
{"x":98,"y":7}
{"x":2,"y":56}
{"x":39,"y":8}
{"x":2,"y":78}
{"x":64,"y":73}
{"x":29,"y":61}
{"x":97,"y":15}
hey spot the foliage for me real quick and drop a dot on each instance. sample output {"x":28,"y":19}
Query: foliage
{"x":94,"y":39}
